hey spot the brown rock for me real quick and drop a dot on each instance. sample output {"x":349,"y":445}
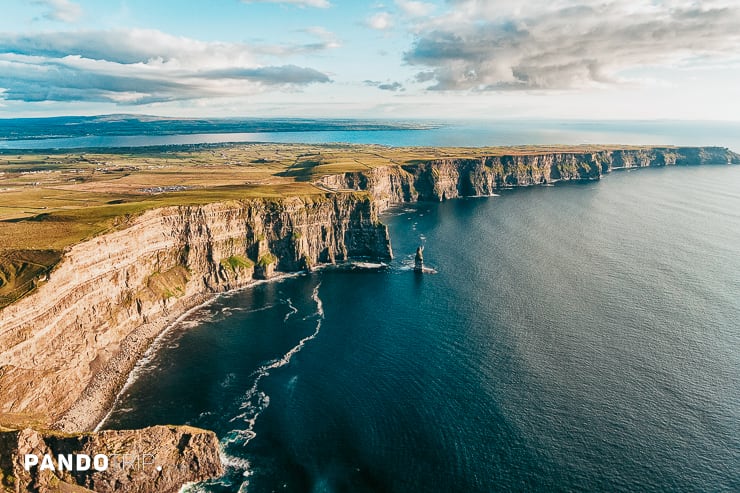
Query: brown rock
{"x":158,"y":459}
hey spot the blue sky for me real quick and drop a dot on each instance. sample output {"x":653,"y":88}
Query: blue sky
{"x":594,"y":59}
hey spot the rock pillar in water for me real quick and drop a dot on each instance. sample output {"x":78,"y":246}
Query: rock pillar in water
{"x":419,"y":260}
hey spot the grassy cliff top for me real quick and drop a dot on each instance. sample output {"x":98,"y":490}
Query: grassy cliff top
{"x":53,"y":200}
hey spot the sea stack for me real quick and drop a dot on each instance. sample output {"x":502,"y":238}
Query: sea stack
{"x":419,"y":260}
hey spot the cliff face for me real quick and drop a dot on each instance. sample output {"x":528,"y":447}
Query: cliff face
{"x":450,"y":178}
{"x":68,"y":347}
{"x":387,"y":185}
{"x":158,"y":459}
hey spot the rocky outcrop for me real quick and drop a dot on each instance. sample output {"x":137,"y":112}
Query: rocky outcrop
{"x":419,"y":259}
{"x":158,"y":459}
{"x":67,"y":348}
{"x":440,"y":179}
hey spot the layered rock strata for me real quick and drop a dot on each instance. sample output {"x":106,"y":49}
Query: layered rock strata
{"x":440,"y":179}
{"x":67,"y":348}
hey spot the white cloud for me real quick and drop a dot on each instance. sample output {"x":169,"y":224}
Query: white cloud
{"x":61,"y":10}
{"x":322,"y":4}
{"x":381,"y":21}
{"x":328,"y":39}
{"x":393,"y":86}
{"x":414,"y":8}
{"x":141,"y":66}
{"x":324,"y":40}
{"x":563,"y":44}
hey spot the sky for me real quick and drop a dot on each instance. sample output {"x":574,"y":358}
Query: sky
{"x":401,"y":59}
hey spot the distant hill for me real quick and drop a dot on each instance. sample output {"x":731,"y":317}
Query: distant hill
{"x":125,"y":124}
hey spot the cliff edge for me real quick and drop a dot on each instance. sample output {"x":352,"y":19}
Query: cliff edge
{"x":448,"y":178}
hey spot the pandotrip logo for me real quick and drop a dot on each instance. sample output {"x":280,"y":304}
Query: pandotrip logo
{"x":85,"y":462}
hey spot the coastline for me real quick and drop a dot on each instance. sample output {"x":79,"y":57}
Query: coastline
{"x":106,"y":385}
{"x":114,"y":295}
{"x":73,"y":342}
{"x":145,"y":347}
{"x":98,"y":401}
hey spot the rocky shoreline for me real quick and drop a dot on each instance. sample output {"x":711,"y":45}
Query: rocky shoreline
{"x":69,"y":347}
{"x":79,"y":334}
{"x":99,"y":396}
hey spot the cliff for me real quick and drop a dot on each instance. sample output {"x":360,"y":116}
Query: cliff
{"x":440,"y":179}
{"x":68,"y":347}
{"x":158,"y":459}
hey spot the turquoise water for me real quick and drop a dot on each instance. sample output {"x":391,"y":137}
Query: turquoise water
{"x":462,"y":133}
{"x":581,"y":337}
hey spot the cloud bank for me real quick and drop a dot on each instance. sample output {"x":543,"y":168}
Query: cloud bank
{"x":414,"y":8}
{"x":138,"y":66}
{"x":562,"y":44}
{"x":381,"y":21}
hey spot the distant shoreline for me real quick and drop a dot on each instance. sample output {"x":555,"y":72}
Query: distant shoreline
{"x":134,"y":131}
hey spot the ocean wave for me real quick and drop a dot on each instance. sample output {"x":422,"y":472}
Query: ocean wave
{"x":228,"y":380}
{"x":228,"y":310}
{"x":293,"y":310}
{"x":256,"y":401}
{"x":144,"y":363}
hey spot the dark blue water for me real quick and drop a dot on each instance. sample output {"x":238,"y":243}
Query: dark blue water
{"x":463,"y":133}
{"x":583,"y":337}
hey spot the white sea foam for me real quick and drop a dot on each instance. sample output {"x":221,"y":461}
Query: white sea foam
{"x":148,"y":357}
{"x":228,"y":310}
{"x":228,"y":380}
{"x":369,"y":265}
{"x":293,"y":310}
{"x":291,"y":384}
{"x":256,"y":401}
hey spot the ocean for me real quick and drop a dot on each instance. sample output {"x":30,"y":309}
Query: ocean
{"x":577,"y":337}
